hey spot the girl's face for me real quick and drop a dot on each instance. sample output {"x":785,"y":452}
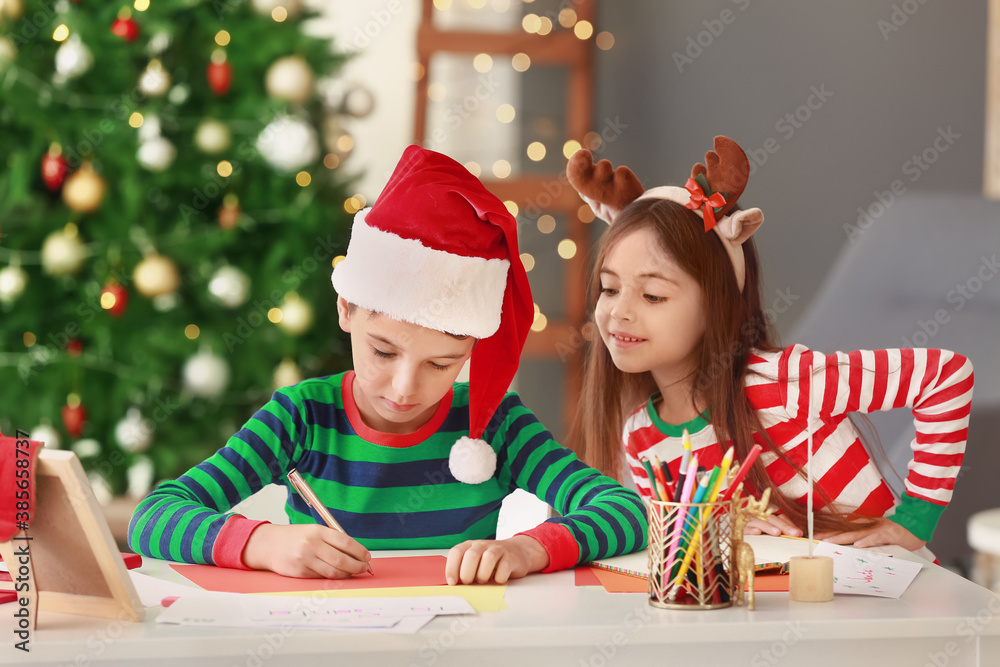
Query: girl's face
{"x":649,"y":312}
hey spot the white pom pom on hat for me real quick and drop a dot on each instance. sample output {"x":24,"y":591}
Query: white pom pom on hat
{"x":472,"y":461}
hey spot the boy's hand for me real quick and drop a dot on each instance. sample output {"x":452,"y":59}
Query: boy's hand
{"x":479,"y":561}
{"x":305,"y":551}
{"x":775,"y":525}
{"x":885,"y":531}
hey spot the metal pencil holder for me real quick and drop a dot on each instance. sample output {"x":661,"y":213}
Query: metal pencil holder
{"x":691,"y":564}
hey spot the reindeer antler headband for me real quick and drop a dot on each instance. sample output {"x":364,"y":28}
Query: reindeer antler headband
{"x":711,"y":192}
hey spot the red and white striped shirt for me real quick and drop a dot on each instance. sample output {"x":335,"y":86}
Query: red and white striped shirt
{"x":935,"y":384}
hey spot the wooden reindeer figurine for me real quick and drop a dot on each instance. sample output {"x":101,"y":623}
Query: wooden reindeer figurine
{"x":742,"y":554}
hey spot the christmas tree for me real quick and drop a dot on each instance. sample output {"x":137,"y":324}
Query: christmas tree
{"x":171,"y":203}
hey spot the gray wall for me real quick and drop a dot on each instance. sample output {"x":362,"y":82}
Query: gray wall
{"x":890,"y":93}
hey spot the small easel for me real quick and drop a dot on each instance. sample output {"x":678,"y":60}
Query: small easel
{"x":73,"y":563}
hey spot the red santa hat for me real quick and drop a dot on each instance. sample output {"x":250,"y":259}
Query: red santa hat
{"x":439,"y":250}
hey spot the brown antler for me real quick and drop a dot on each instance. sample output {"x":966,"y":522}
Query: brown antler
{"x":601,"y":183}
{"x":728,"y":171}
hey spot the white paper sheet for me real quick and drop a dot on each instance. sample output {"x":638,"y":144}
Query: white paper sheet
{"x":152,"y":590}
{"x":862,"y":572}
{"x":403,"y":615}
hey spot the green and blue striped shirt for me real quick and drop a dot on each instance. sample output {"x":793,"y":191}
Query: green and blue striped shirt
{"x":388,"y":491}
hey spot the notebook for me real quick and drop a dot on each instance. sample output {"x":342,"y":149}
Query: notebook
{"x":771,"y":555}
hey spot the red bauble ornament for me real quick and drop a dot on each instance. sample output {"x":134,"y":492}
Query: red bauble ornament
{"x":74,"y":348}
{"x":125,"y":28}
{"x":219,"y":73}
{"x":54,"y":168}
{"x":230,"y":212}
{"x":114,"y":298}
{"x":74,"y":416}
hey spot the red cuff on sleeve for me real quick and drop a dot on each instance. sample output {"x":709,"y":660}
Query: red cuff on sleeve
{"x":229,"y":544}
{"x":558,"y":541}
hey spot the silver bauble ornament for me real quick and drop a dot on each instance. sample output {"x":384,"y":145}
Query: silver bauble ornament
{"x":133,"y":433}
{"x":47,"y":434}
{"x":288,"y":144}
{"x":73,"y":58}
{"x":229,"y":286}
{"x":156,"y":154}
{"x":206,"y":375}
{"x":13,"y":280}
{"x":296,"y":315}
{"x":155,"y":81}
{"x":156,"y":275}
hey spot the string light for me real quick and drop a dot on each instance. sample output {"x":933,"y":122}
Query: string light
{"x":60,"y":33}
{"x":520,"y":62}
{"x":222,"y":38}
{"x":528,"y":261}
{"x":141,"y":5}
{"x":108,"y":300}
{"x":483,"y":63}
{"x":29,"y":339}
{"x":279,"y":14}
{"x":546,"y":224}
{"x":331,"y":161}
{"x":531,"y":23}
{"x":540,"y":322}
{"x":442,"y":5}
{"x":417,"y":71}
{"x":583,"y":30}
{"x":338,"y":259}
{"x":545,"y":25}
{"x":567,"y":17}
{"x":605,"y":40}
{"x":303,"y":178}
{"x":474,"y":168}
{"x":345,"y":143}
{"x":536,"y":151}
{"x":511,"y":207}
{"x":135,"y":120}
{"x":225,"y":168}
{"x":566,"y":248}
{"x":585,"y":213}
{"x":501,"y":169}
{"x":592,"y":140}
{"x":274,"y":315}
{"x":192,"y":331}
{"x":436,"y":91}
{"x":505,"y":113}
{"x":570,"y":148}
{"x":361,"y":199}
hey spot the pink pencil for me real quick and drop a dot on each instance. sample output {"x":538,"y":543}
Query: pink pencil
{"x":742,"y":472}
{"x":692,"y":475}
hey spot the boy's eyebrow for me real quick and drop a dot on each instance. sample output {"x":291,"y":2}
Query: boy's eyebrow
{"x":388,"y":342}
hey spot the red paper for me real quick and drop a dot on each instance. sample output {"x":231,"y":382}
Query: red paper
{"x":771,"y":582}
{"x":7,"y":596}
{"x":396,"y":572}
{"x":616,"y":582}
{"x":585,"y":576}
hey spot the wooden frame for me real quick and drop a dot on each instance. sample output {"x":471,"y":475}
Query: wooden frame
{"x":74,"y":565}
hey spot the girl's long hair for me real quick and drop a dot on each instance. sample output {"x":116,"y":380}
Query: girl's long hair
{"x":736,"y":327}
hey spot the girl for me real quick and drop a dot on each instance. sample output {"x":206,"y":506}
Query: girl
{"x":686,"y":345}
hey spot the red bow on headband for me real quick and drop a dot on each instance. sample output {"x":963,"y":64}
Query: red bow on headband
{"x":707,"y":204}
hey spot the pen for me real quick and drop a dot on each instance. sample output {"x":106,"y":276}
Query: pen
{"x":685,"y":459}
{"x":310,"y":497}
{"x":742,"y":472}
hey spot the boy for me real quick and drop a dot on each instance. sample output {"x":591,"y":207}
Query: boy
{"x":432,"y":278}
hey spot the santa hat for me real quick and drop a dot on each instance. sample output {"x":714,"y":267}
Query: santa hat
{"x":711,"y":192}
{"x":439,"y":250}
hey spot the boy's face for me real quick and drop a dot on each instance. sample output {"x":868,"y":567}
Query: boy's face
{"x":402,"y":370}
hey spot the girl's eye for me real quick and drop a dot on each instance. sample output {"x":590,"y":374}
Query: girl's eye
{"x":654,"y":299}
{"x":609,"y":291}
{"x":439,"y":367}
{"x":383,"y":355}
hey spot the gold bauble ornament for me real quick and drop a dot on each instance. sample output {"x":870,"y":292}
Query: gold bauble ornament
{"x":287,"y":373}
{"x":290,"y":78}
{"x":155,"y":276}
{"x":212,"y":137}
{"x":84,"y":189}
{"x":296,"y":315}
{"x":11,"y":10}
{"x":155,"y":81}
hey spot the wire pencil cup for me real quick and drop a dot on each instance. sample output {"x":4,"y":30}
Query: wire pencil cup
{"x":691,"y":563}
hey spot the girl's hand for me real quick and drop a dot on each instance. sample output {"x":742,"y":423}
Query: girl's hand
{"x":885,"y":531}
{"x":775,"y":525}
{"x":479,"y":561}
{"x":305,"y":551}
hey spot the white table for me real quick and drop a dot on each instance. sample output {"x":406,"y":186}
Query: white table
{"x":942,"y":619}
